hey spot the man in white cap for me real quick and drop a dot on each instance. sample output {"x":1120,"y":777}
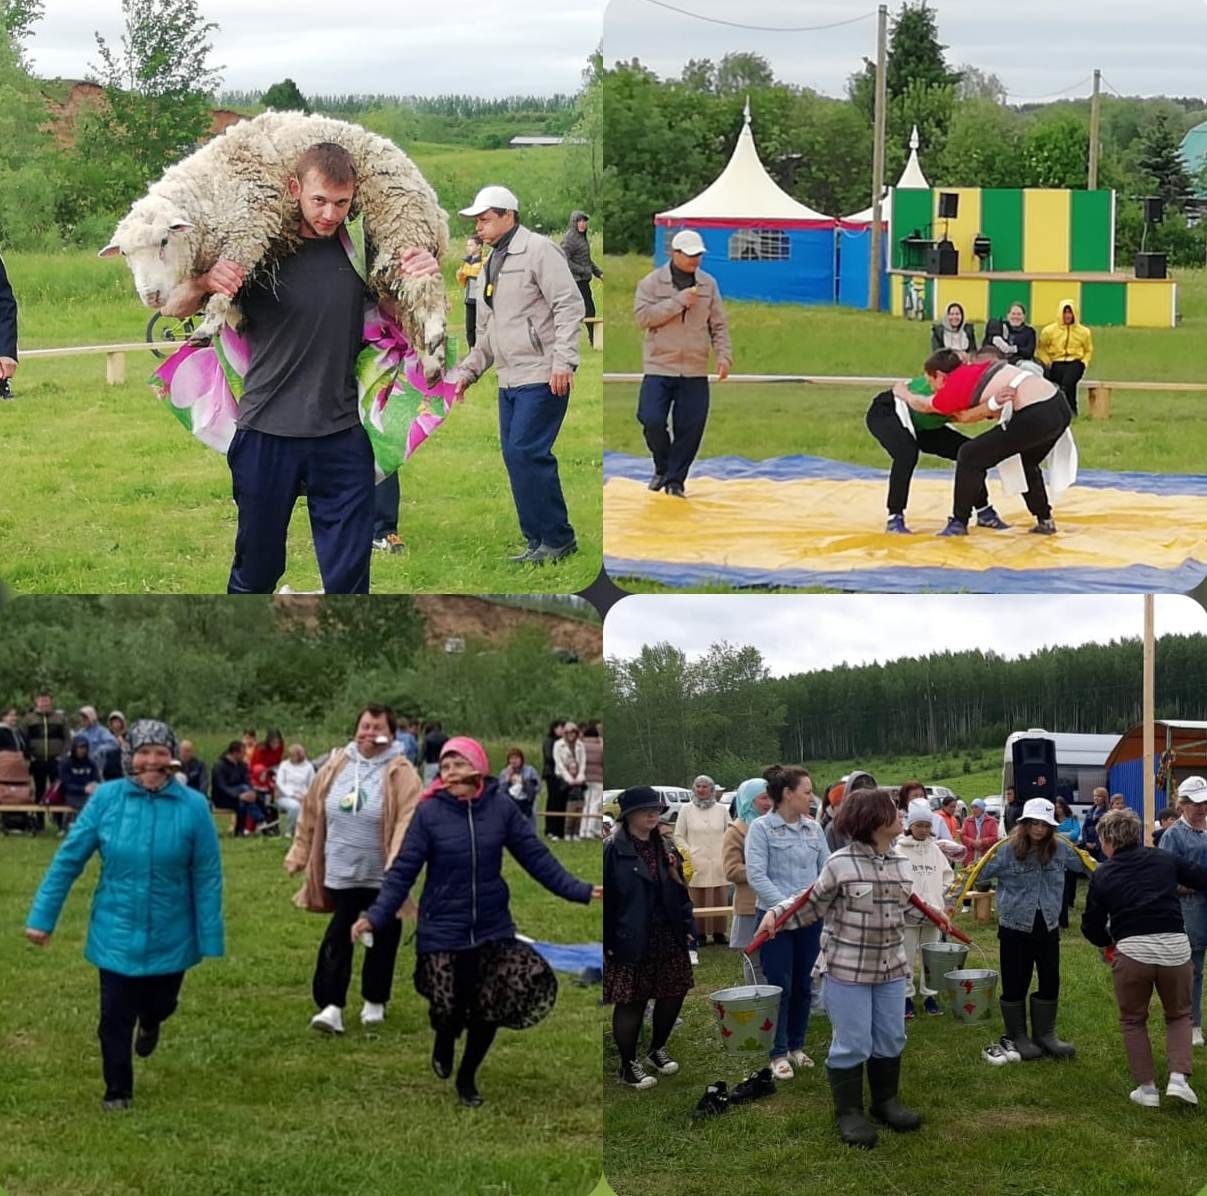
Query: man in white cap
{"x":528,"y":320}
{"x":679,"y":307}
{"x":1187,"y":840}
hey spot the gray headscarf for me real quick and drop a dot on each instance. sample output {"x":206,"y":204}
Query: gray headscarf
{"x":145,"y":732}
{"x":704,"y":803}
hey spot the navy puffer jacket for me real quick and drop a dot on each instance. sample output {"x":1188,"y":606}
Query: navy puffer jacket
{"x":465,"y":899}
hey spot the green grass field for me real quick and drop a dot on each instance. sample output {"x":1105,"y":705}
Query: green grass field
{"x":1151,"y":431}
{"x":1026,"y":1129}
{"x":108,"y":494}
{"x":243,"y":1098}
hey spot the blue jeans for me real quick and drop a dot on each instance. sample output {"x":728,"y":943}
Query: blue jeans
{"x":267,"y":475}
{"x":683,"y":404}
{"x":787,"y":961}
{"x":387,"y":495}
{"x":866,"y":1019}
{"x":530,"y":417}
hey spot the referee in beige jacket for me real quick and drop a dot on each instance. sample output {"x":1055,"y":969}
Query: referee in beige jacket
{"x":679,"y":307}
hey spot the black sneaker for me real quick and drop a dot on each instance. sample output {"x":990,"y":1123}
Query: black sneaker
{"x":756,"y":1085}
{"x":146,"y":1040}
{"x":635,"y":1076}
{"x":542,"y":554}
{"x":661,"y":1062}
{"x":1044,"y":527}
{"x":714,"y":1101}
{"x":657,"y":481}
{"x":675,"y":489}
{"x":522,"y":558}
{"x":116,"y":1104}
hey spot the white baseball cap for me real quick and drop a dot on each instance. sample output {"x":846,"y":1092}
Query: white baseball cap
{"x":688,"y":241}
{"x":1193,"y":788}
{"x":1041,"y":810}
{"x":919,"y":811}
{"x":493,"y":196}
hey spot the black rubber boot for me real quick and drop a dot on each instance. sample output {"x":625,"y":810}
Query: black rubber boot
{"x":884,"y":1075}
{"x":1014,"y":1018}
{"x":1043,"y":1029}
{"x":846,"y":1083}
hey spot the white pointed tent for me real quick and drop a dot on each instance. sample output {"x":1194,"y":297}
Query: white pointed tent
{"x":911,"y":177}
{"x":760,"y":242}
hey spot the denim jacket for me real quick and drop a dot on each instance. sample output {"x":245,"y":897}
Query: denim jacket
{"x":1024,"y":886}
{"x":782,"y":858}
{"x":1186,"y":843}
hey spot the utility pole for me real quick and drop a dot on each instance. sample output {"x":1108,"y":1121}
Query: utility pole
{"x":1095,"y":113}
{"x":1150,"y":781}
{"x":878,"y":158}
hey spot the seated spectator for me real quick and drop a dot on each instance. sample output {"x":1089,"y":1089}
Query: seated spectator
{"x":114,"y":768}
{"x":102,"y":746}
{"x":79,"y":777}
{"x":1013,"y":337}
{"x":11,"y":739}
{"x":954,"y":333}
{"x":521,"y":782}
{"x":230,"y":784}
{"x":262,"y":767}
{"x":294,"y":777}
{"x":196,"y":775}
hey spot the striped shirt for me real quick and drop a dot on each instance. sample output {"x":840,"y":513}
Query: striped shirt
{"x":1164,"y":950}
{"x":355,"y":851}
{"x":864,"y":898}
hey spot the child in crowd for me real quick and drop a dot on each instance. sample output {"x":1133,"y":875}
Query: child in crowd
{"x":863,"y":893}
{"x":1030,"y":871}
{"x":932,"y":874}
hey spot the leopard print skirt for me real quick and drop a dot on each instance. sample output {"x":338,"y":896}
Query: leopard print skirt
{"x":503,"y":984}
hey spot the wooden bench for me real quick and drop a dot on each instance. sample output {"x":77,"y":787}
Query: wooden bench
{"x":31,"y":808}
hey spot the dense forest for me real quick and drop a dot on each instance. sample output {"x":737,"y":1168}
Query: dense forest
{"x":667,"y":139}
{"x":669,"y":717}
{"x":220,"y":663}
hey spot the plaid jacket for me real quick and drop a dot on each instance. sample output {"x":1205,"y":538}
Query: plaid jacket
{"x":864,"y":898}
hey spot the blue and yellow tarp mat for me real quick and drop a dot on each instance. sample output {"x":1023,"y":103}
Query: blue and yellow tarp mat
{"x":802,"y":522}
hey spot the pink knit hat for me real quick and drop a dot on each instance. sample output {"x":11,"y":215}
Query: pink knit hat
{"x":471,"y":749}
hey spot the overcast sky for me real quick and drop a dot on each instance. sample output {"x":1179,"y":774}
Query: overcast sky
{"x":799,"y":633}
{"x":474,"y":47}
{"x":1036,"y":47}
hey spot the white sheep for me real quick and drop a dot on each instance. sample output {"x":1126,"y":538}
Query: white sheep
{"x":230,"y":199}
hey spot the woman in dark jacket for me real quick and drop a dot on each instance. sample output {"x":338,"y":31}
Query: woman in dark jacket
{"x":1013,"y":337}
{"x":78,"y":775}
{"x":1133,"y":906}
{"x":647,"y":926}
{"x":474,"y":973}
{"x":555,"y":787}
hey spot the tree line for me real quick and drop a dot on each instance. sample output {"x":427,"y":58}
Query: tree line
{"x":215,"y":663}
{"x":667,"y":139}
{"x":670,"y":718}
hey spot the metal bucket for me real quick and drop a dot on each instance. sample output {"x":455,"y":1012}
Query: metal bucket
{"x":747,"y":1015}
{"x":940,"y":958}
{"x":972,"y":992}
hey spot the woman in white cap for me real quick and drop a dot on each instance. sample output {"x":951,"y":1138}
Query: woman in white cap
{"x":1030,"y":871}
{"x":700,"y":837}
{"x":1132,"y":910}
{"x":157,"y":910}
{"x":1187,"y":839}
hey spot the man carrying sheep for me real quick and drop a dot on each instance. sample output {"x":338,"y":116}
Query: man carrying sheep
{"x":528,"y":319}
{"x":299,"y":426}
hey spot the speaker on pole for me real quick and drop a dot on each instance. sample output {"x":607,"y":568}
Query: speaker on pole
{"x":1034,"y":768}
{"x":1154,"y":209}
{"x":949,"y":205}
{"x":942,"y":258}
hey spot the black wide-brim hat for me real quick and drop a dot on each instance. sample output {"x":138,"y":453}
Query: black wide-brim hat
{"x":642,"y":797}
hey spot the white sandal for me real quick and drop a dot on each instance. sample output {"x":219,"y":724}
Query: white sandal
{"x":781,"y":1069}
{"x":799,"y":1059}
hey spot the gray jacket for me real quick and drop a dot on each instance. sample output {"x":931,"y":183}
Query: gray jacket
{"x":677,"y":340}
{"x":1024,"y":885}
{"x":1185,"y":843}
{"x":577,"y":249}
{"x":532,"y":329}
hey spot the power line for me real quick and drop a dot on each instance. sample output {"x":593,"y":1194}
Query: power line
{"x":761,"y":28}
{"x":1049,"y":94}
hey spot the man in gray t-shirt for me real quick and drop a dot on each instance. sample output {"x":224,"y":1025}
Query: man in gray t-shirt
{"x":299,"y":426}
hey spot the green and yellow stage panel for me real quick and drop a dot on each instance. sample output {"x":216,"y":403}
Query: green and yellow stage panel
{"x":800,"y":522}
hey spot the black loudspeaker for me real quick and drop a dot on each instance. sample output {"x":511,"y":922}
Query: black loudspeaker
{"x":1034,"y":768}
{"x":1154,"y":210}
{"x":949,"y":205}
{"x":943,"y":258}
{"x":1150,"y":265}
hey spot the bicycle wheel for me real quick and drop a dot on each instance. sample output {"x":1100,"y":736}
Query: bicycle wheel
{"x":168,"y":328}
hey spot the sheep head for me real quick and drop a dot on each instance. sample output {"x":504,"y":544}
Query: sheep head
{"x":154,"y":240}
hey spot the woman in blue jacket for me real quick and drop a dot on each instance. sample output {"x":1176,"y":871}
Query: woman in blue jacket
{"x":474,"y":973}
{"x":157,"y":909}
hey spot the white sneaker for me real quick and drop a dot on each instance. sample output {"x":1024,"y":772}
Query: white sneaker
{"x":1150,"y":1098}
{"x":371,"y":1014}
{"x":694,"y":956}
{"x":995,"y":1055}
{"x":1178,"y":1087}
{"x":1196,"y":1036}
{"x":782,"y":1069}
{"x":329,"y":1021}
